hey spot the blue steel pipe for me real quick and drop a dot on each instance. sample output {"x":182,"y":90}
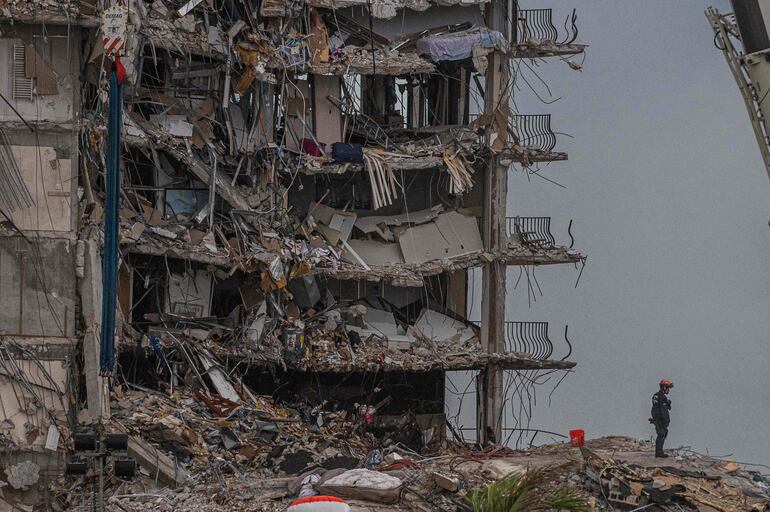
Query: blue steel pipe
{"x":110,"y":254}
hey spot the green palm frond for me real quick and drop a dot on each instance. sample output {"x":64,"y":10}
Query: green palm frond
{"x":564,"y":499}
{"x":524,"y":493}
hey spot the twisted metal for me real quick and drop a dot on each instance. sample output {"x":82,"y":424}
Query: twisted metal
{"x":534,"y":130}
{"x":533,"y":230}
{"x":532,"y":338}
{"x":569,"y":344}
{"x":529,"y":337}
{"x":537,"y":25}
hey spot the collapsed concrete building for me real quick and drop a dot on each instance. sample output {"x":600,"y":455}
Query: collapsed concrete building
{"x":303,"y":188}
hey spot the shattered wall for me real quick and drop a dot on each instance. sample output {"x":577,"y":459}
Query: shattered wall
{"x":39,"y":304}
{"x":35,"y":393}
{"x":25,"y":423}
{"x":38,"y":287}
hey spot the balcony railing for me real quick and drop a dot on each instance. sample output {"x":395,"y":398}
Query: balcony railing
{"x":536,"y":231}
{"x":534,"y":130}
{"x":532,"y":338}
{"x":533,"y":230}
{"x":537,"y":25}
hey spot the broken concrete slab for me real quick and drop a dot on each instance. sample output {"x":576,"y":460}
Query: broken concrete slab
{"x":339,"y":224}
{"x":435,"y":326}
{"x":374,"y":253}
{"x":187,"y":7}
{"x":371,"y":224}
{"x":450,"y":235}
{"x":175,"y":125}
{"x":383,"y":324}
{"x":382,"y":321}
{"x":135,"y":232}
{"x":157,"y":463}
{"x":218,"y":378}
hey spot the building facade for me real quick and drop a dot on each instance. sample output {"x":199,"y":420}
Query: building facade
{"x":303,"y":188}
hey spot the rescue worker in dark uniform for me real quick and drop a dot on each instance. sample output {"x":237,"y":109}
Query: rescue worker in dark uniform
{"x":661,"y":406}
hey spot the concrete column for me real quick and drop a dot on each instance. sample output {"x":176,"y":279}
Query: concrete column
{"x":97,"y":391}
{"x":496,"y":105}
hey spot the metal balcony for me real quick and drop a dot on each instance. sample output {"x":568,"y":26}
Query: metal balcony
{"x":532,"y":338}
{"x":534,"y":131}
{"x":536,"y":231}
{"x":533,"y":230}
{"x":536,"y":25}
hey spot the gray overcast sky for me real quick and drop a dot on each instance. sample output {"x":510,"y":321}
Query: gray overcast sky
{"x":670,"y":203}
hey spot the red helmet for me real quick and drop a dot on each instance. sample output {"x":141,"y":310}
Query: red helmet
{"x":667,"y":383}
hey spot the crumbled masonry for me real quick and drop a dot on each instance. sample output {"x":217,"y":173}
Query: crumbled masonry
{"x":613,"y":473}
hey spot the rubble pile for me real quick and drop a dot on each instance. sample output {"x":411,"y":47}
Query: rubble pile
{"x":690,"y":480}
{"x":205,"y":440}
{"x":248,"y":452}
{"x":224,"y":448}
{"x":25,"y":10}
{"x":607,"y":474}
{"x":621,"y":473}
{"x":196,"y":429}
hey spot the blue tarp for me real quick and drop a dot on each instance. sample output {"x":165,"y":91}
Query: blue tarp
{"x":342,"y":152}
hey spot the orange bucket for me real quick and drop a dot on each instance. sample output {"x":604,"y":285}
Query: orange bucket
{"x":577,"y":437}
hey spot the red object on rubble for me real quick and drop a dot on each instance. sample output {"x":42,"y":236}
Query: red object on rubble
{"x":319,"y":504}
{"x":577,"y":437}
{"x":310,"y":147}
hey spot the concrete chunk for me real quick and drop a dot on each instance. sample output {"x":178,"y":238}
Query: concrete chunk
{"x":155,"y":462}
{"x":22,"y":475}
{"x":447,"y":483}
